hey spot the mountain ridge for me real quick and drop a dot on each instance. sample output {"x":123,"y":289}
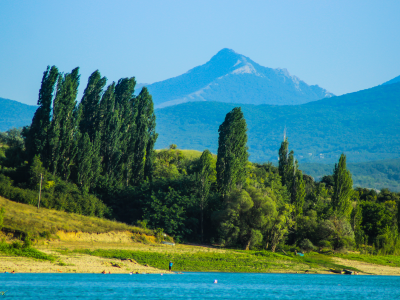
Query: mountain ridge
{"x":364,"y":125}
{"x":15,"y":114}
{"x":234,"y":78}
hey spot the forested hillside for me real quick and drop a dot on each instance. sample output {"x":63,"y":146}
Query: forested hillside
{"x":374,"y":174}
{"x":364,"y":125}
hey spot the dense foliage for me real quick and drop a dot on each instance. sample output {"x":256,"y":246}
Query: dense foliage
{"x":96,"y":157}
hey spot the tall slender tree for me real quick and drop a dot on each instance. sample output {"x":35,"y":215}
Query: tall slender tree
{"x":124,"y":103}
{"x":90,"y":103}
{"x":36,"y":138}
{"x":84,"y":163}
{"x":300,"y":194}
{"x":64,"y":133}
{"x":152,"y":138}
{"x":204,"y":180}
{"x":342,"y":189}
{"x":232,"y":152}
{"x":110,"y":125}
{"x":145,"y":125}
{"x":284,"y":160}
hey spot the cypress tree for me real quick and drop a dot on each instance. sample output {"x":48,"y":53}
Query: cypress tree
{"x":232,"y":152}
{"x":36,"y":139}
{"x":342,"y":189}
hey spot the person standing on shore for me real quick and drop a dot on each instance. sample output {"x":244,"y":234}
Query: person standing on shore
{"x":170,"y":265}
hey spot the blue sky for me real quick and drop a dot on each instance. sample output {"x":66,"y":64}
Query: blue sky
{"x":343,"y":46}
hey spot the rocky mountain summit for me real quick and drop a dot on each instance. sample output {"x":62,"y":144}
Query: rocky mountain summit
{"x":234,"y":78}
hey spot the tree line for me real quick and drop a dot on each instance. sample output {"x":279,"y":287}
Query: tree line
{"x":105,"y":139}
{"x":102,"y":149}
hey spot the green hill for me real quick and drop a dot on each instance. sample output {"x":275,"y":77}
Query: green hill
{"x":364,"y":125}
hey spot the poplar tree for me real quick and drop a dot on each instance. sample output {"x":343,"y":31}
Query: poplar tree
{"x":300,"y":194}
{"x":37,"y":136}
{"x":342,"y":189}
{"x":232,"y":152}
{"x":109,"y":123}
{"x":145,"y":126}
{"x":150,"y":153}
{"x":84,"y":163}
{"x":90,"y":103}
{"x":283,"y":160}
{"x":124,"y":104}
{"x":203,"y":183}
{"x":64,"y":132}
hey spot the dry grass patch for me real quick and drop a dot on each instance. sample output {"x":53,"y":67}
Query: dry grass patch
{"x":46,"y":222}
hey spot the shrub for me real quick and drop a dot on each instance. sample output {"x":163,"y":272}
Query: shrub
{"x":306,"y":245}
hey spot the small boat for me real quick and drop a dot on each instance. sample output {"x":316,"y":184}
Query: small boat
{"x":337,"y":271}
{"x":348,"y":272}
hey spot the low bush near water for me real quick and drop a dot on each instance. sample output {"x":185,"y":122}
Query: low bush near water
{"x":18,"y":249}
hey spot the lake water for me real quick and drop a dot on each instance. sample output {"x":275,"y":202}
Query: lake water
{"x":198,"y":286}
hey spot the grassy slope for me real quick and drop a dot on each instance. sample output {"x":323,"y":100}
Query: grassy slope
{"x":27,"y":218}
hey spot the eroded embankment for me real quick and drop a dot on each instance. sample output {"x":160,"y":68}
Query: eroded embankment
{"x":107,"y":237}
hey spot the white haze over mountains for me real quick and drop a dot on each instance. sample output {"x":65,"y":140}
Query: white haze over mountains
{"x":234,"y":78}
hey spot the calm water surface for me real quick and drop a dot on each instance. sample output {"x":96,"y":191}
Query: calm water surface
{"x":198,"y":286}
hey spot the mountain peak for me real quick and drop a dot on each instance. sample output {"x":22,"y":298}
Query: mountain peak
{"x":226,"y":53}
{"x":232,"y":77}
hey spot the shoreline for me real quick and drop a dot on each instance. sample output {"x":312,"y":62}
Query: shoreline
{"x":87,"y":264}
{"x":69,"y":261}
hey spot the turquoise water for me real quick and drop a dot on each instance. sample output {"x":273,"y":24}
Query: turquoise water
{"x":198,"y":286}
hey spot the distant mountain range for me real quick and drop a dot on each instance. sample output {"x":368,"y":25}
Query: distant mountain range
{"x":374,"y":174}
{"x":234,"y":78}
{"x":365,"y":125}
{"x":15,"y":114}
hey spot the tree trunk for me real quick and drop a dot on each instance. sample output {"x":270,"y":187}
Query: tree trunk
{"x":247,"y":247}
